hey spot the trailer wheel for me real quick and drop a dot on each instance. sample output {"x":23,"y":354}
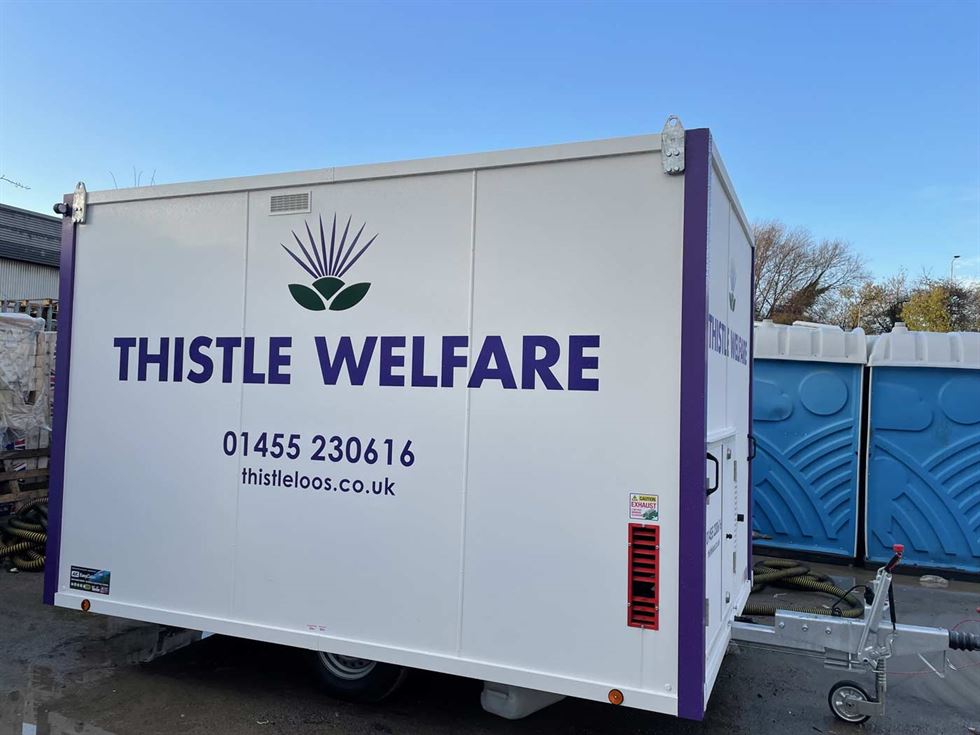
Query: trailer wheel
{"x":357,"y":679}
{"x":842,"y":697}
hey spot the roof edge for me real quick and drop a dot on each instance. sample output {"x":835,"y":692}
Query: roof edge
{"x":421,"y":166}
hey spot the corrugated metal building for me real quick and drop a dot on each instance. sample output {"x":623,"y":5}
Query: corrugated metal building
{"x":30,"y":247}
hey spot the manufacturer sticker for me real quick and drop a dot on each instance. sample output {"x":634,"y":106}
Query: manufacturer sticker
{"x":90,"y":580}
{"x":645,"y":508}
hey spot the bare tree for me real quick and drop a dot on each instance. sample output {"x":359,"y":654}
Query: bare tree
{"x":875,"y":306}
{"x":795,"y":276}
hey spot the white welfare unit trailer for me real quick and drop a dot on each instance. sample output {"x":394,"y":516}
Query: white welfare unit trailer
{"x":485,"y":415}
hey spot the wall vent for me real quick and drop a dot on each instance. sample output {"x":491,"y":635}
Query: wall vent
{"x":644,"y":573}
{"x":288,"y":203}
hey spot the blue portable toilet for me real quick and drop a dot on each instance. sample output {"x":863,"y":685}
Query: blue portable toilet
{"x":923,"y":485}
{"x":806,"y":420}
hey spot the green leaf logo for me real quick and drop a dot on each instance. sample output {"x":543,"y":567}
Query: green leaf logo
{"x":327,"y":270}
{"x":306,"y":297}
{"x":350,"y":296}
{"x":328,"y":286}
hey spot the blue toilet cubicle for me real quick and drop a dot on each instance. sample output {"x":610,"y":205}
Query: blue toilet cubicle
{"x":923,"y":480}
{"x":806,"y":412}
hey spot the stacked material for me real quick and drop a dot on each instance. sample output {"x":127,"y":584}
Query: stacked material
{"x":26,"y":393}
{"x":26,"y":369}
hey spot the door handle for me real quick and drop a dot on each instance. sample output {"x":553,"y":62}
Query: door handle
{"x":713,"y":488}
{"x":752,"y":447}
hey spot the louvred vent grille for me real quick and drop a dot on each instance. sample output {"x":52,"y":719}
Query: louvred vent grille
{"x":282,"y":203}
{"x":644,"y":572}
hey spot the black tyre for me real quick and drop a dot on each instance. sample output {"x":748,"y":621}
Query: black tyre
{"x":841,"y":699}
{"x":357,"y":679}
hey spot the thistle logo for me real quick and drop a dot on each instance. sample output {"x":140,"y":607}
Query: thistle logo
{"x":327,"y":270}
{"x":732,"y":280}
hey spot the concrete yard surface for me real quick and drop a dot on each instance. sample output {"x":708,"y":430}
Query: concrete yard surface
{"x":63,"y":671}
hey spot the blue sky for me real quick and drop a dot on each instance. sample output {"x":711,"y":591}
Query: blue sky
{"x":856,"y":120}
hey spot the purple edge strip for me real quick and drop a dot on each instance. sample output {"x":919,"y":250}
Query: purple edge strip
{"x":694,"y":296}
{"x":748,"y":509}
{"x":56,"y":486}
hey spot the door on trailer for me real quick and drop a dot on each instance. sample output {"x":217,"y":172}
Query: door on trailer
{"x":727,"y":331}
{"x":730,"y":530}
{"x":715,"y":580}
{"x":738,"y":537}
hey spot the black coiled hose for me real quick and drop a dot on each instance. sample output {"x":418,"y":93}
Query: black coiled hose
{"x":959,"y":641}
{"x":796,"y":576}
{"x":24,"y":535}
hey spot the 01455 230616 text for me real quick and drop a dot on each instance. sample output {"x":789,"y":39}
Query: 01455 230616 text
{"x":320,"y":448}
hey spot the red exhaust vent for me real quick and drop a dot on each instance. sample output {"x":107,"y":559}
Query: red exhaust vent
{"x":644,"y":571}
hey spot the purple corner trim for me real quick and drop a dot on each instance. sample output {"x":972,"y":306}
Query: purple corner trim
{"x":694,"y":373}
{"x":748,"y":508}
{"x":56,"y":486}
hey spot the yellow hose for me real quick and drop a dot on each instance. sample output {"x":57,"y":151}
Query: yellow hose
{"x":26,"y":526}
{"x":15,"y":547}
{"x":30,"y":561}
{"x":32,"y":536}
{"x":23,"y":536}
{"x":793,"y":575}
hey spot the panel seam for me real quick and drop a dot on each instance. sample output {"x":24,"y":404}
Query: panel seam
{"x":466,"y":423}
{"x":241,"y":413}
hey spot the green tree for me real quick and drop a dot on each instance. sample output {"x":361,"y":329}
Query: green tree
{"x":927,"y":311}
{"x":943,"y":306}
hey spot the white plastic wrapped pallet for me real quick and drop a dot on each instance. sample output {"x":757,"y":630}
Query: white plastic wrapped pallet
{"x":23,"y":405}
{"x":25,"y":395}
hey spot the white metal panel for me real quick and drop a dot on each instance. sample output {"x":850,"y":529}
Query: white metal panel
{"x":718,"y":424}
{"x":809,"y":342}
{"x":721,"y":178}
{"x":379,"y":568}
{"x":147,"y":496}
{"x":904,"y":348}
{"x":575,"y":248}
{"x":739,"y":410}
{"x":717,"y":285}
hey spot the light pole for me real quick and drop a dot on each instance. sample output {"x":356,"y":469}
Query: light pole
{"x":951,"y":262}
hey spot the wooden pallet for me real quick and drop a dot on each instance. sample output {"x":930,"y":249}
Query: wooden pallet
{"x":18,"y":487}
{"x":30,"y":473}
